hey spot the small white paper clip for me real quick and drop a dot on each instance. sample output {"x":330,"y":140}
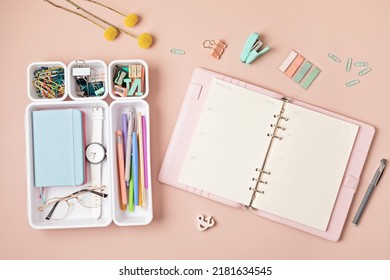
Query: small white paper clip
{"x":205,"y":223}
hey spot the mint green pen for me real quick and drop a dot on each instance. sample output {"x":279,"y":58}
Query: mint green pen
{"x":130,"y":205}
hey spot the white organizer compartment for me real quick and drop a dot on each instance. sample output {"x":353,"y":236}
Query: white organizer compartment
{"x":78,"y":216}
{"x":125,"y":63}
{"x":140,"y":215}
{"x":97,"y":67}
{"x":32,"y":90}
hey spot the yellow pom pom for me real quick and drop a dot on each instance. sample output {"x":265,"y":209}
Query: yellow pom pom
{"x":131,"y":20}
{"x":110,"y":33}
{"x":145,"y":40}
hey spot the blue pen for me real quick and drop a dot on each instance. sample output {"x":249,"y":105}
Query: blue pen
{"x":134,"y":165}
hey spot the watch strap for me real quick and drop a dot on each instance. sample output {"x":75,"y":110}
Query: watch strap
{"x":96,"y":179}
{"x":96,"y":169}
{"x":97,"y":125}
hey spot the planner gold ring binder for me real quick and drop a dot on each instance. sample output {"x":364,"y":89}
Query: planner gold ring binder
{"x":279,"y":127}
{"x":260,"y":180}
{"x":274,"y":136}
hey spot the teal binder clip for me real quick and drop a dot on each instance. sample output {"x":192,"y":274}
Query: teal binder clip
{"x":252,"y":49}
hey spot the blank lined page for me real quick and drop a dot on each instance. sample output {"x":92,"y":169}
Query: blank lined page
{"x":230,"y":141}
{"x":307,"y":167}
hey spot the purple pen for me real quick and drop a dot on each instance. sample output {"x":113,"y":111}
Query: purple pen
{"x":124,"y":133}
{"x":143,"y":120}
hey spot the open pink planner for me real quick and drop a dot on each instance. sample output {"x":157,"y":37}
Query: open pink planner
{"x":257,"y":150}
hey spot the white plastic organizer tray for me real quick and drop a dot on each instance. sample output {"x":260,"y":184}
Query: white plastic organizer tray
{"x":140,"y":215}
{"x":126,"y":63}
{"x":78,"y":216}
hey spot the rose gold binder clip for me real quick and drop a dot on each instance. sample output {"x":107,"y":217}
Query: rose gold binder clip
{"x":216,"y":47}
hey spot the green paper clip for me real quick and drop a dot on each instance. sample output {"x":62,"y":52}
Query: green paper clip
{"x":334,"y":58}
{"x":365,"y":71}
{"x":349,"y":63}
{"x":177,"y":51}
{"x":360,"y":64}
{"x":352,"y":83}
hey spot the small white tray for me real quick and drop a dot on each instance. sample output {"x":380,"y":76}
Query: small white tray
{"x":32,"y":90}
{"x":97,"y":67}
{"x":140,"y":215}
{"x":124,"y":63}
{"x":78,"y":216}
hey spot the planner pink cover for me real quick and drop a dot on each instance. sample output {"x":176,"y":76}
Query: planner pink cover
{"x":185,"y":128}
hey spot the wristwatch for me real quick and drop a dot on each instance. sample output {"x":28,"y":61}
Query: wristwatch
{"x":95,"y":153}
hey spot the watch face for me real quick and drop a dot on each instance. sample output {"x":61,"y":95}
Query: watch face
{"x":95,"y":153}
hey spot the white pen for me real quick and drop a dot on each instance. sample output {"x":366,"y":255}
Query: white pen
{"x":130,"y":129}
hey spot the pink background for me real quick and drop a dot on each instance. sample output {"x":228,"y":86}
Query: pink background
{"x":36,"y":31}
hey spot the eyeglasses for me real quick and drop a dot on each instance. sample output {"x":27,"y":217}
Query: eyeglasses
{"x":57,"y":208}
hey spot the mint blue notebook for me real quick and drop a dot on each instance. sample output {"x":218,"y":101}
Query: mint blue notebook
{"x":58,"y":142}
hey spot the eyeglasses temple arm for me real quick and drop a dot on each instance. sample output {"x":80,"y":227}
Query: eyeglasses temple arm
{"x":48,"y":217}
{"x":104,"y":195}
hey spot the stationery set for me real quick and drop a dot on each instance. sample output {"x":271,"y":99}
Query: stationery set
{"x":234,"y":142}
